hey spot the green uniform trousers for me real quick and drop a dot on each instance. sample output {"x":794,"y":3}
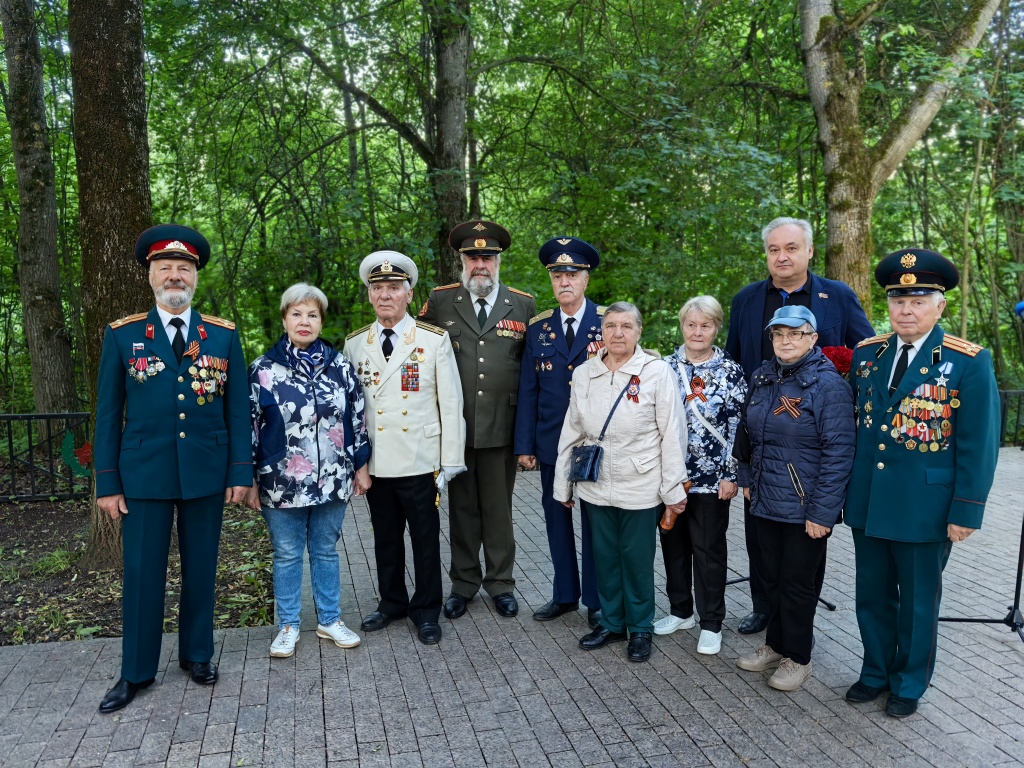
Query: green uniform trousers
{"x":899,"y":586}
{"x":146,"y":536}
{"x":624,"y":543}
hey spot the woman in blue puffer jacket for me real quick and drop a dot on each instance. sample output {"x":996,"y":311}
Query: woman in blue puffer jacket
{"x":794,"y":467}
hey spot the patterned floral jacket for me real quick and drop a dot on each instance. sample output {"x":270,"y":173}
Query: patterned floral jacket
{"x":722,"y":390}
{"x":309,"y":434}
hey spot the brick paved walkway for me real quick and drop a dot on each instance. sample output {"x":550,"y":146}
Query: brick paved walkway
{"x":515,"y":692}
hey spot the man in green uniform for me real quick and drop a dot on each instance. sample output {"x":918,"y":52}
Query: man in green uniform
{"x":487,"y":323}
{"x":172,"y":436}
{"x":927,"y":444}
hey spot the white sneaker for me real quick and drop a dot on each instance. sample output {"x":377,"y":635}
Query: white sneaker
{"x":670,"y":624}
{"x":709,"y":643}
{"x":342,"y":636}
{"x":284,"y":644}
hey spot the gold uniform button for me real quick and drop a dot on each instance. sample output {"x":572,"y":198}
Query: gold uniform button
{"x":181,"y":434}
{"x":405,"y":396}
{"x":181,"y":416}
{"x":405,"y":413}
{"x":570,"y":367}
{"x":888,"y":410}
{"x":181,"y":379}
{"x":880,"y":465}
{"x":405,"y":429}
{"x":380,"y":429}
{"x":380,"y":411}
{"x":181,"y":397}
{"x":881,"y":447}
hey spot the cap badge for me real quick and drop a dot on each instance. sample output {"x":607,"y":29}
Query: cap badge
{"x":176,"y":245}
{"x":479,"y":227}
{"x":564,"y":258}
{"x":564,"y":240}
{"x":908,"y":260}
{"x":908,"y":279}
{"x":479,"y":243}
{"x":386,"y":266}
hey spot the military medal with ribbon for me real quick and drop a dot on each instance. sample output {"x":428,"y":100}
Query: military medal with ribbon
{"x":633,"y":390}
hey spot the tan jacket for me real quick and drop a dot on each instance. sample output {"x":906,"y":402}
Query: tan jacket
{"x":644,"y":461}
{"x":413,"y":401}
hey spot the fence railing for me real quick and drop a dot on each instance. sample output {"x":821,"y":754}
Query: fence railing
{"x":38,"y":459}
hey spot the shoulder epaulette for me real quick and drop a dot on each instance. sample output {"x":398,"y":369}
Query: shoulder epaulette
{"x":432,"y":328}
{"x":875,"y":340}
{"x":542,"y":316}
{"x":448,"y":287}
{"x":356,"y":333}
{"x":601,"y":310}
{"x":129,"y":319}
{"x":521,"y":293}
{"x":212,"y":320}
{"x":964,"y":346}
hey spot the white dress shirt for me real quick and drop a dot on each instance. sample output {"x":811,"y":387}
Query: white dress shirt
{"x":166,"y":317}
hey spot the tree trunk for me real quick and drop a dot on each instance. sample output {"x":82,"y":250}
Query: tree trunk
{"x":854,"y":171}
{"x":46,"y":334}
{"x":449,"y":28}
{"x":112,"y":154}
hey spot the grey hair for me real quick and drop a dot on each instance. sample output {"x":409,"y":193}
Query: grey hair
{"x":806,"y":328}
{"x":625,"y":307}
{"x":782,"y":221}
{"x":937,"y":296}
{"x":405,"y":284}
{"x":300,"y":293}
{"x":703,"y":305}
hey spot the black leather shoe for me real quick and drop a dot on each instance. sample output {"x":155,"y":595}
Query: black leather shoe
{"x":860,"y":692}
{"x":753,"y":623}
{"x":594,"y":618}
{"x":201,"y":672}
{"x":506,"y":605}
{"x":897,"y":706}
{"x":377,"y":620}
{"x":639,"y":647}
{"x":599,"y":638}
{"x":429,"y":633}
{"x":121,"y":695}
{"x":553,"y":610}
{"x":455,"y":606}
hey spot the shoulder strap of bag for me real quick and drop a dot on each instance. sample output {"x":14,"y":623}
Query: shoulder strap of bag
{"x":696,"y":411}
{"x":614,"y":406}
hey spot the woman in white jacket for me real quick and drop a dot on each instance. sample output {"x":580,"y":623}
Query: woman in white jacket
{"x":642,"y":472}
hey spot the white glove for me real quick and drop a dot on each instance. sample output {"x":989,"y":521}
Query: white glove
{"x":447,"y":474}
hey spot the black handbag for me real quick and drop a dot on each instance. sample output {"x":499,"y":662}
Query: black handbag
{"x":585,"y":460}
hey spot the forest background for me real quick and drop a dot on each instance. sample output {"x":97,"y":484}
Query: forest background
{"x":299,"y":137}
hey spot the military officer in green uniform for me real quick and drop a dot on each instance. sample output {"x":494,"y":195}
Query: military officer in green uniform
{"x":487,"y":323}
{"x":927,"y":443}
{"x":172,"y":439}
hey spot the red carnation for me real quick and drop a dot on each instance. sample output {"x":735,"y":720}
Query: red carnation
{"x":840,"y":357}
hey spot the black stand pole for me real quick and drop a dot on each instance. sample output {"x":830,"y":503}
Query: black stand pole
{"x":822,"y":600}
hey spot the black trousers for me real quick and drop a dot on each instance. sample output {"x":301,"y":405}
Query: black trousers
{"x":394,"y":503}
{"x":791,"y":559}
{"x":758,"y":590}
{"x":696,"y":559}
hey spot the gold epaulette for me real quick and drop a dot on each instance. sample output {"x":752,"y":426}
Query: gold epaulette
{"x":213,"y":320}
{"x":875,"y":340}
{"x":431,"y":328}
{"x":521,"y":293}
{"x":963,"y":346}
{"x":356,"y":333}
{"x":601,"y":310}
{"x":542,"y":316}
{"x":129,"y":319}
{"x":448,"y":287}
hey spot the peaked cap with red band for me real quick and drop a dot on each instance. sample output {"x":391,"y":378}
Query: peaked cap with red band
{"x":172,"y":241}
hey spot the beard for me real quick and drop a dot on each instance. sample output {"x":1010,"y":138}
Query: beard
{"x":479,"y":285}
{"x":177,"y":295}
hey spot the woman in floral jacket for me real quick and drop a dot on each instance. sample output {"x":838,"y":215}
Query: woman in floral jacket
{"x":311,"y":452}
{"x":713,"y":387}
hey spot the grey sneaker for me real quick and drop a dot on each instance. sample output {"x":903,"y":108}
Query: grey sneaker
{"x":790,"y":675}
{"x":760,"y":660}
{"x":670,"y":624}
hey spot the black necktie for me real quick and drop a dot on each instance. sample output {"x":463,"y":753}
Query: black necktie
{"x":178,"y":342}
{"x":481,"y":316}
{"x":570,"y":334}
{"x":388,"y":346}
{"x":901,"y":366}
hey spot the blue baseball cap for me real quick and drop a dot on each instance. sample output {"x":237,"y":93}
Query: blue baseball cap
{"x":793,"y":316}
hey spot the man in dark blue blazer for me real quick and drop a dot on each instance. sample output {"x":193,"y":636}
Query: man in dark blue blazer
{"x":173,"y":443}
{"x":557,"y":341}
{"x":788,"y":246}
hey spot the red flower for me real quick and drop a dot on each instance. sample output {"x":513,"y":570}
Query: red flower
{"x":840,"y":357}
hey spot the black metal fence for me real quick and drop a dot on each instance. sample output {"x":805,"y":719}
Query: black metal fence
{"x":41,"y":457}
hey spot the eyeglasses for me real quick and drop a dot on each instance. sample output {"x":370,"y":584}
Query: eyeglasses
{"x":789,"y":335}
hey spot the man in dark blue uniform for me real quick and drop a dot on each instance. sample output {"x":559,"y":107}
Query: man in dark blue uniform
{"x":927,"y":444}
{"x":557,"y":341}
{"x":172,"y":436}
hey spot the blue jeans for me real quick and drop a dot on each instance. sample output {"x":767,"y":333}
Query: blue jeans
{"x":318,"y":529}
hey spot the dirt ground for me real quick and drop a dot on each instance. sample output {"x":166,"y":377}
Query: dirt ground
{"x":46,"y":596}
